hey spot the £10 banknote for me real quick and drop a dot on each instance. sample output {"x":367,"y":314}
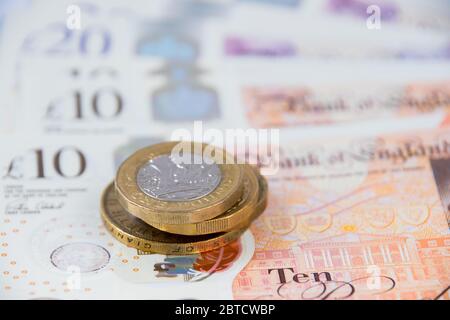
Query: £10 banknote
{"x":346,"y":219}
{"x":53,"y":243}
{"x":355,"y":219}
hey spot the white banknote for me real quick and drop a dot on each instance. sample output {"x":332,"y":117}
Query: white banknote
{"x":53,"y":242}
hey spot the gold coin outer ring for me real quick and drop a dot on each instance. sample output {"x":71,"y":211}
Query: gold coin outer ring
{"x":224,"y":222}
{"x":153,"y":210}
{"x":147,"y":245}
{"x":261,"y":204}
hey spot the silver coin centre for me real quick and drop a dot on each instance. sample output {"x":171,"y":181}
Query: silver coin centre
{"x":163,"y":179}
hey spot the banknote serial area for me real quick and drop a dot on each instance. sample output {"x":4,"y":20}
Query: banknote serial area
{"x":225,"y":149}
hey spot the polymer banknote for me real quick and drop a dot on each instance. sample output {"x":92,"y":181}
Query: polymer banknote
{"x":55,"y":246}
{"x":332,"y":29}
{"x":359,"y":218}
{"x":356,"y":218}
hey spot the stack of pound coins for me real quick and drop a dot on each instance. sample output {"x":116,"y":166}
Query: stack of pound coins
{"x":182,"y":198}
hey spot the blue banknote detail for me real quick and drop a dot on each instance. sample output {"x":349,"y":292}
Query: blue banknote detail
{"x":197,"y":9}
{"x":184,"y":99}
{"x":176,"y":265}
{"x":169,"y":46}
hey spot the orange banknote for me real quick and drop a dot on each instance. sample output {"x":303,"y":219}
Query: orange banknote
{"x":356,"y":219}
{"x":268,"y":106}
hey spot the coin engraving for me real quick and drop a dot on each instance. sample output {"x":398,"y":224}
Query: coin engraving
{"x":163,"y":179}
{"x":153,"y":210}
{"x":233,"y":217}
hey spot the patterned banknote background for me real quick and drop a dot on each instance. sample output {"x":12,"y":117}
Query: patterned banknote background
{"x":341,"y":217}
